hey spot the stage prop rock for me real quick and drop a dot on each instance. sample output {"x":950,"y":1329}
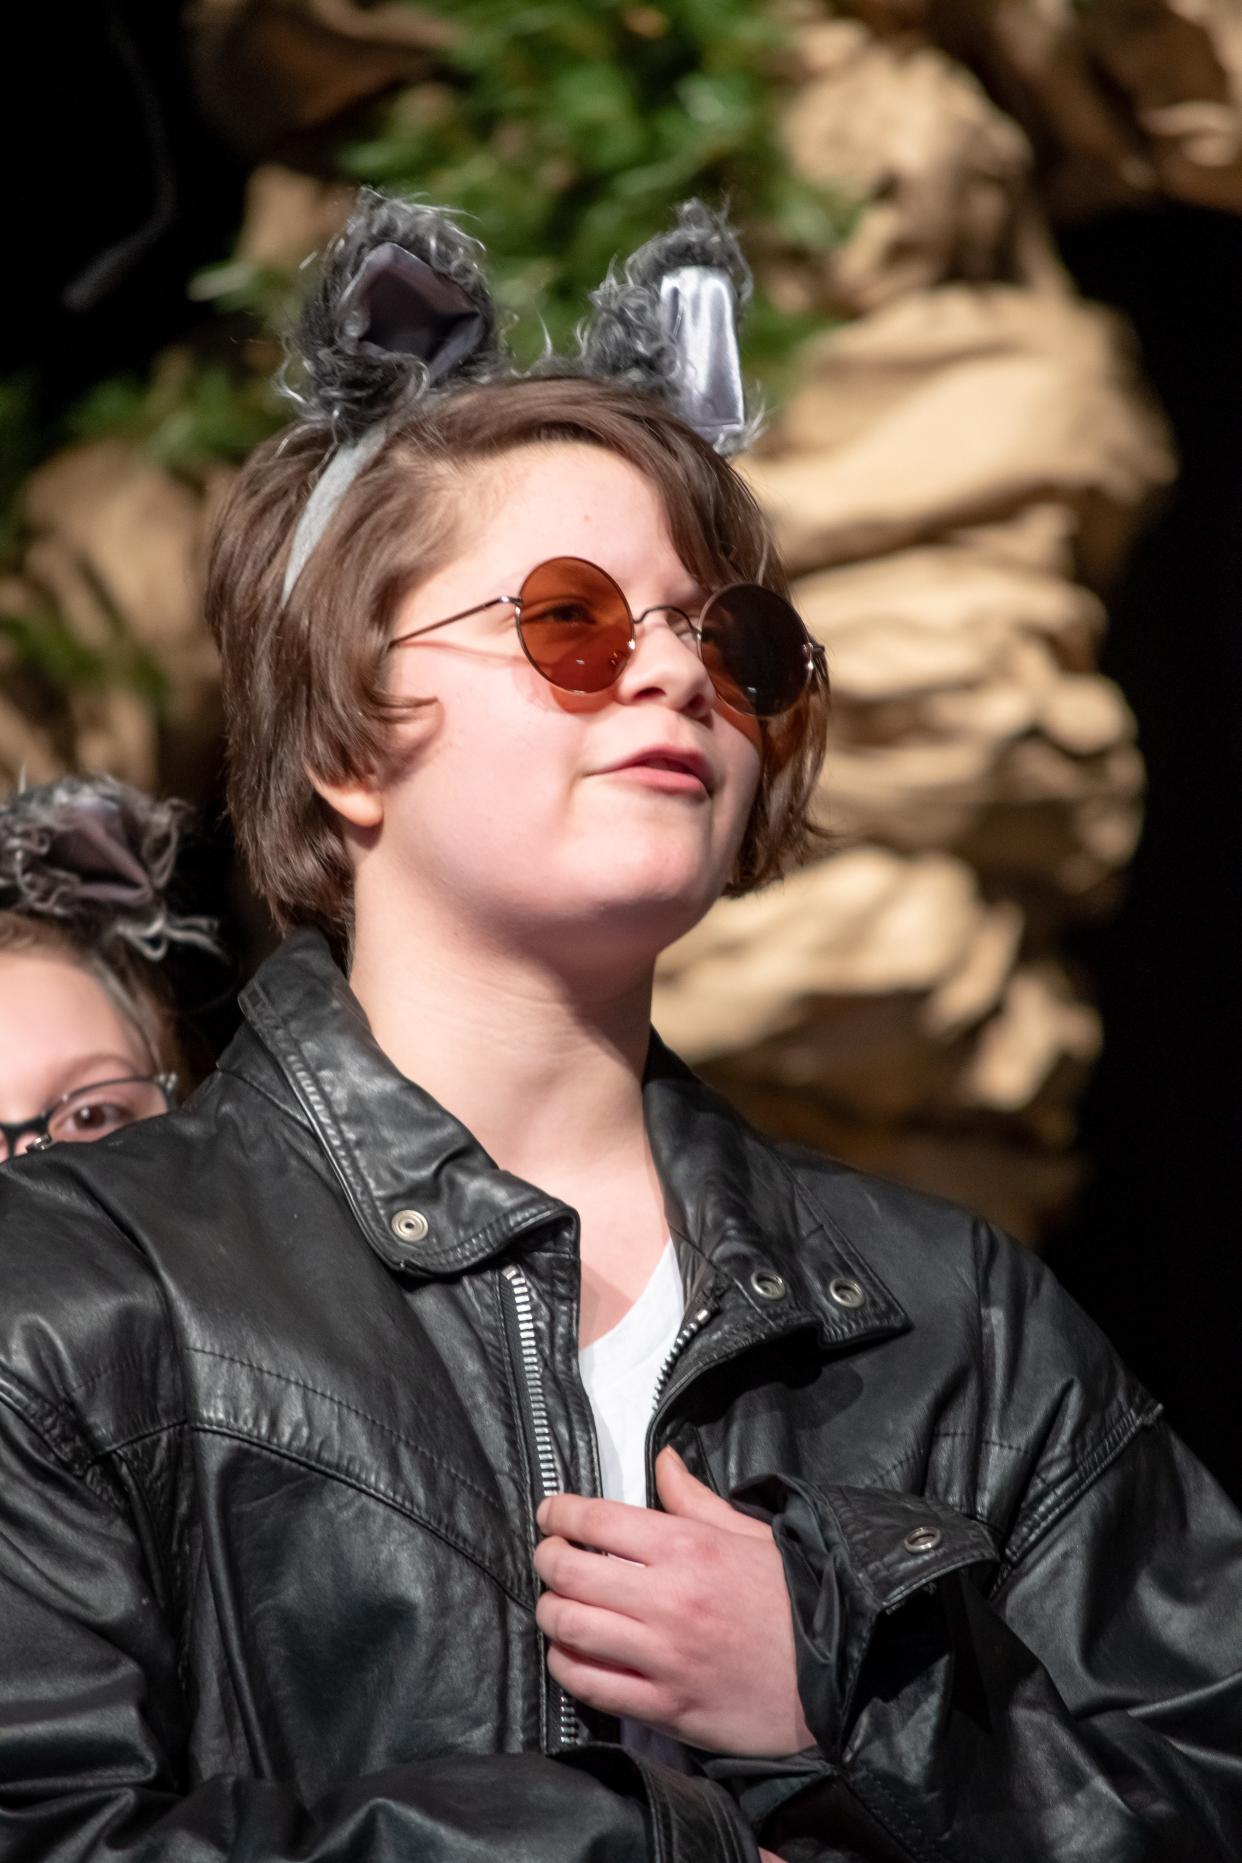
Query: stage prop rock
{"x":270,"y":71}
{"x":881,"y":1005}
{"x":112,"y":575}
{"x":955,"y":472}
{"x":938,"y":179}
{"x":1126,"y":101}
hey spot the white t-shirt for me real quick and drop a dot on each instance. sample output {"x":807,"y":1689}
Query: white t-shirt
{"x":620,"y":1371}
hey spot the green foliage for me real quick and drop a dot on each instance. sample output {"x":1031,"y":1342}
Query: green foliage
{"x":47,"y":648}
{"x":573,"y":129}
{"x":188,"y":415}
{"x":241,"y":285}
{"x":566,"y":132}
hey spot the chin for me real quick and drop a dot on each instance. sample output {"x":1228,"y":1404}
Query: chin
{"x":662,"y":898}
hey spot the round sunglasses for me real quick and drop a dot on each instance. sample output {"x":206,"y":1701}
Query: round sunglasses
{"x":578,"y":631}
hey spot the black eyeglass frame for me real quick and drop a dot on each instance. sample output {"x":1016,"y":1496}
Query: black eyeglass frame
{"x":816,"y":656}
{"x":12,"y":1133}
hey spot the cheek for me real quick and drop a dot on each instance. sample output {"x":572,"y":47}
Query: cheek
{"x":494,"y":763}
{"x":741,"y":756}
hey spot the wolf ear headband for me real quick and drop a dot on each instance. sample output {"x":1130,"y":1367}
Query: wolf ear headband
{"x":402,"y":310}
{"x":98,"y":856}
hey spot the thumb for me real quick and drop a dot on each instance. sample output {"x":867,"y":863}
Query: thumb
{"x":680,"y":1493}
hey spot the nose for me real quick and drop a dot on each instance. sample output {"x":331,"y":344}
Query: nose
{"x":665,"y":665}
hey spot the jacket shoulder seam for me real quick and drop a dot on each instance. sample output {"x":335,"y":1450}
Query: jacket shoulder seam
{"x":47,"y":1423}
{"x":320,"y":1465}
{"x":339,"y":1403}
{"x":1057,"y":1501}
{"x":124,"y":1361}
{"x":375,"y":1489}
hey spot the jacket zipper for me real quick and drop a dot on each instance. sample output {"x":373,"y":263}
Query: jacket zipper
{"x":691,"y":1326}
{"x":545,"y":1460}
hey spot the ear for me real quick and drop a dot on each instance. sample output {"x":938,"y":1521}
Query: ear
{"x":668,"y":321}
{"x":359,"y":802}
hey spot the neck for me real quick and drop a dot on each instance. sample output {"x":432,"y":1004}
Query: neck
{"x":544,"y":1068}
{"x":543,"y":1062}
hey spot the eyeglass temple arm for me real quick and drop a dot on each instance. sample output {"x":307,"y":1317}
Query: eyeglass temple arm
{"x":463,"y":615}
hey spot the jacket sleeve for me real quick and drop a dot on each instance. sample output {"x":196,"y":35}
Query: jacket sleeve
{"x":94,"y":1724}
{"x":1065,"y":1683}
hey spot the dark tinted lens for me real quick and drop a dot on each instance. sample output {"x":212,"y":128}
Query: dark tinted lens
{"x":574,"y":625}
{"x":754,"y":649}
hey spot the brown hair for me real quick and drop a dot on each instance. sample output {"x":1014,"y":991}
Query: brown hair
{"x":304,"y":680}
{"x":132,"y":985}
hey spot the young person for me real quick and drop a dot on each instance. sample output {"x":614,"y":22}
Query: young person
{"x":88,"y":1023}
{"x":456,"y":1434}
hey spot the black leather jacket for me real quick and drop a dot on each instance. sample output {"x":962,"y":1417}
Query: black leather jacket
{"x":283,"y":1375}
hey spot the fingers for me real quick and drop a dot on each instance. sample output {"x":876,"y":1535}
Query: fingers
{"x":629,"y":1696}
{"x":603,"y":1526}
{"x":594,"y":1635}
{"x":614,"y":1584}
{"x":681,"y":1493}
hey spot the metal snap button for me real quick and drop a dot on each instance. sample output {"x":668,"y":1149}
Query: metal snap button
{"x":922,"y":1540}
{"x":768,"y":1284}
{"x":846,"y":1293}
{"x":409,"y":1225}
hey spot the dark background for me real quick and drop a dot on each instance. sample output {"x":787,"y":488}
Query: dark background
{"x":1152,"y":1251}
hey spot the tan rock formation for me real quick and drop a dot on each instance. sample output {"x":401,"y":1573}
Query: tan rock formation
{"x":881,"y":1005}
{"x":1126,"y":100}
{"x":957,"y":469}
{"x":269,"y":70}
{"x":114,"y":555}
{"x":938,"y":177}
{"x":957,"y":407}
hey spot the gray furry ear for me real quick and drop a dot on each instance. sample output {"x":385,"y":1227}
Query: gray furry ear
{"x":97,"y":855}
{"x":400,"y":304}
{"x":668,"y":322}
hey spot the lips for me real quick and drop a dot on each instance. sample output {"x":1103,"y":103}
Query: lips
{"x":671,"y":758}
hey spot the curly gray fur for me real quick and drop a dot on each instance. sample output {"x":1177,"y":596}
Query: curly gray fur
{"x":97,"y":856}
{"x":355,"y":386}
{"x":626,"y":339}
{"x":349,"y":384}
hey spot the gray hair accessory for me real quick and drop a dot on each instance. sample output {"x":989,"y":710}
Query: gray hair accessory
{"x":97,"y":855}
{"x":667,"y":321}
{"x":402,"y":310}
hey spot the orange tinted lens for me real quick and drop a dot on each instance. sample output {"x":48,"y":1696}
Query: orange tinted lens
{"x":575,"y":625}
{"x":754,"y":648}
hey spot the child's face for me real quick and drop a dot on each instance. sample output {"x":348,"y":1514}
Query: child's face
{"x":60,"y":1031}
{"x":511,"y":806}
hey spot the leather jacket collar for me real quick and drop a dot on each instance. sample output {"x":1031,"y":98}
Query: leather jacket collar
{"x":403,"y":1162}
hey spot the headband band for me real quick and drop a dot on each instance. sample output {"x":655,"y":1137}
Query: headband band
{"x":402,"y":309}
